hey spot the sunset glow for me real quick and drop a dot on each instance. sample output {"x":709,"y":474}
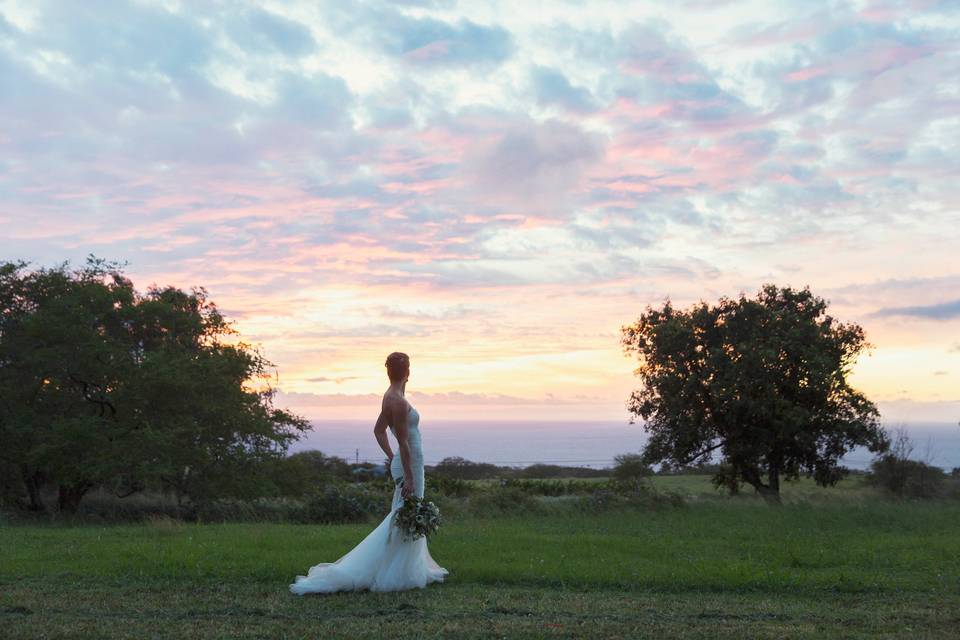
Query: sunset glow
{"x":495,"y":188}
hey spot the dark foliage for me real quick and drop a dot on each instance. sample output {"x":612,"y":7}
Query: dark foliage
{"x":631,"y":466}
{"x":896,"y":474}
{"x":502,"y":499}
{"x":344,"y":502}
{"x":454,"y":487}
{"x":547,"y":487}
{"x":762,"y":382}
{"x":457,"y":467}
{"x":103,"y":386}
{"x":557,"y":471}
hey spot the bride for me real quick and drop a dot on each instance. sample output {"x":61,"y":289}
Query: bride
{"x":384,"y":560}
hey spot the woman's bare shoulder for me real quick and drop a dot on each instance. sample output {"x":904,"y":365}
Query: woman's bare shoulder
{"x":392,"y":400}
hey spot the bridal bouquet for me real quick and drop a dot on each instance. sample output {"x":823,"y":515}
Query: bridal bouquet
{"x":417,"y":518}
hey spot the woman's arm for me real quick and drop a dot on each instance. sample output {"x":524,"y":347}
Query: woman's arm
{"x":398,"y":412}
{"x":380,"y":432}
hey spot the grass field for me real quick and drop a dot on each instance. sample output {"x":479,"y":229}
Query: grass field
{"x":855,"y":567}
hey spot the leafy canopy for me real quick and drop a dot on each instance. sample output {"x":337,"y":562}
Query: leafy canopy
{"x":103,"y":385}
{"x":762,"y":381}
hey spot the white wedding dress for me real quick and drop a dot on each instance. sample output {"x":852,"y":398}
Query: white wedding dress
{"x":383,"y":561}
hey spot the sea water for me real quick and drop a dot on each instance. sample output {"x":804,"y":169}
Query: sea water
{"x":571,"y":443}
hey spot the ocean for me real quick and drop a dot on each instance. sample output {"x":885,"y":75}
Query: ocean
{"x":588,"y":444}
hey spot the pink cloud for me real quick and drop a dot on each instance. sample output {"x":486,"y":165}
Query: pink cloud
{"x":431,"y":51}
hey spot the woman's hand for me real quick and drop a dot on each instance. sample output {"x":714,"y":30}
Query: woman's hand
{"x":407,"y":489}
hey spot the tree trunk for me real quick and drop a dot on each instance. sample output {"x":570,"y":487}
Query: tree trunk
{"x":70,"y":496}
{"x":32,"y":482}
{"x":771,"y":495}
{"x":770,"y":492}
{"x":773,"y":478}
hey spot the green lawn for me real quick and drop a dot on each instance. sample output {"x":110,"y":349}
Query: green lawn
{"x":717,"y":568}
{"x":852,"y":487}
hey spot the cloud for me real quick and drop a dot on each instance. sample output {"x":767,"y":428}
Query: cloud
{"x":429,"y":42}
{"x":338,"y":380}
{"x":551,"y":87}
{"x":441,"y":398}
{"x":941,"y":311}
{"x":270,"y":32}
{"x":5,"y":27}
{"x":433,"y":312}
{"x":383,"y":170}
{"x":134,"y":37}
{"x":660,"y":71}
{"x":319,"y":101}
{"x":517,"y":162}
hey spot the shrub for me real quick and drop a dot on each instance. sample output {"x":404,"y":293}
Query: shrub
{"x":616,"y":494}
{"x":550,"y":487}
{"x":307,"y":468}
{"x":557,"y":471}
{"x":441,"y":485}
{"x":630,"y":466}
{"x":502,"y":499}
{"x":906,"y":478}
{"x":341,"y":503}
{"x":599,"y":500}
{"x":700,"y":469}
{"x":896,"y":474}
{"x":457,"y":467}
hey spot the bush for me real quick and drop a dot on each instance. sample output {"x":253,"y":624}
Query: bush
{"x":550,"y":487}
{"x":441,"y":485}
{"x":460,"y":468}
{"x":601,"y":499}
{"x":294,"y":473}
{"x":906,"y":478}
{"x":630,"y":466}
{"x":618,"y":495}
{"x":540,"y":471}
{"x":896,"y":474}
{"x":339,"y":503}
{"x":502,"y":499}
{"x":701,"y":469}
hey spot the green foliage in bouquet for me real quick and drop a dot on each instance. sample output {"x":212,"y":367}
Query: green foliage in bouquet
{"x":416,"y":518}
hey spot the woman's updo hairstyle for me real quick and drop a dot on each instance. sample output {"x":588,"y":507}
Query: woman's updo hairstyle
{"x":397,"y":366}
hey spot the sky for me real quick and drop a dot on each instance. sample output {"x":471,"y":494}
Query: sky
{"x":496,"y":188}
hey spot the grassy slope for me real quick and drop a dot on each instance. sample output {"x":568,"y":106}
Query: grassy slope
{"x":719,"y":568}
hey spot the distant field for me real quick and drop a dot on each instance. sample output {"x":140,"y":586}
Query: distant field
{"x":715,"y":569}
{"x":699,"y":486}
{"x":851,"y":487}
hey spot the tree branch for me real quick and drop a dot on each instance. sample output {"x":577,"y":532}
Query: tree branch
{"x":101,"y":401}
{"x":690,"y":459}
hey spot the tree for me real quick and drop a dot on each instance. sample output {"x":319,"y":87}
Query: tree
{"x":203,"y":404}
{"x":102,"y":385}
{"x":463,"y":469}
{"x":762,"y":381}
{"x":298,"y":473}
{"x":897,"y":474}
{"x":631,"y":471}
{"x":62,"y":354}
{"x":630,"y":466}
